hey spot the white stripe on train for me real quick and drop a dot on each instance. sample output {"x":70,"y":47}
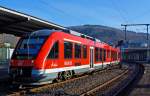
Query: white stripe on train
{"x":45,"y":71}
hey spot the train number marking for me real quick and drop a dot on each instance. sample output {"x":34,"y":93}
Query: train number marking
{"x":68,"y":63}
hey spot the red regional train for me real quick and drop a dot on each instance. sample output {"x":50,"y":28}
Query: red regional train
{"x":46,"y":55}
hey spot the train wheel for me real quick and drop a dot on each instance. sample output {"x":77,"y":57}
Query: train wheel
{"x":67,"y":75}
{"x":73,"y":73}
{"x":60,"y":76}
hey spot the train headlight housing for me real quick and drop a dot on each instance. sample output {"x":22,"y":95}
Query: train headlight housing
{"x":32,"y":62}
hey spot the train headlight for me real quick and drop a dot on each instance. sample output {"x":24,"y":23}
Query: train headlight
{"x":32,"y":62}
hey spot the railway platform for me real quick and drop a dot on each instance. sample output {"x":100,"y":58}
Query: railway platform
{"x":142,"y":88}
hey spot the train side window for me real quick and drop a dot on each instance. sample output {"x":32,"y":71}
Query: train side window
{"x":54,"y":51}
{"x":96,"y":54}
{"x":67,"y":49}
{"x":84,"y":51}
{"x":115,"y":55}
{"x":112,"y":55}
{"x":104,"y":54}
{"x":100,"y":54}
{"x":77,"y":51}
{"x":108,"y":53}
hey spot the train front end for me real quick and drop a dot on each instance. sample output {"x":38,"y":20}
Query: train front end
{"x":23,"y":59}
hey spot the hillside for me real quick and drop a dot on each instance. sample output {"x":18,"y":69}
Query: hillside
{"x":108,"y":34}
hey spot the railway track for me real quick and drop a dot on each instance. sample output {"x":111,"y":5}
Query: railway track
{"x":98,"y":90}
{"x":129,"y":83}
{"x":81,"y":85}
{"x":97,"y":83}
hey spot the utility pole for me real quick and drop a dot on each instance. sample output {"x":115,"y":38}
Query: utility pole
{"x":147,"y":42}
{"x":125,"y":31}
{"x":147,"y":31}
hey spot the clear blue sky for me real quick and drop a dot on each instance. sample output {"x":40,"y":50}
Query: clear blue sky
{"x":79,"y":12}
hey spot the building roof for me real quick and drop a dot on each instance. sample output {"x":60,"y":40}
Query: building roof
{"x":17,"y":23}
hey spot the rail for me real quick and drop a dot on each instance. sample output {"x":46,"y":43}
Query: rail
{"x":127,"y":83}
{"x":91,"y":92}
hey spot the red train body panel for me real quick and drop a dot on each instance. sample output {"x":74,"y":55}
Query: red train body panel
{"x":43,"y":56}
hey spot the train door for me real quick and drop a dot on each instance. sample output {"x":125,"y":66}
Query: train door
{"x":91,"y":57}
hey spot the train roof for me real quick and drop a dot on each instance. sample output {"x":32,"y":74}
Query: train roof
{"x":43,"y":32}
{"x":84,"y":36}
{"x":48,"y":31}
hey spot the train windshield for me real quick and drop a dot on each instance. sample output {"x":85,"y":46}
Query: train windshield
{"x":29,"y":46}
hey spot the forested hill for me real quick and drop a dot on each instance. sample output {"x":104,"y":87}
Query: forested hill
{"x":108,"y":34}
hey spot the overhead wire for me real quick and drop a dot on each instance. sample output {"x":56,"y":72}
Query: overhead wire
{"x":123,"y":13}
{"x":75,"y":17}
{"x":62,"y":12}
{"x":141,"y":15}
{"x":119,"y":10}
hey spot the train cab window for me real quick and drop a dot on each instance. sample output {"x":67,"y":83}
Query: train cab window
{"x":96,"y":54}
{"x":84,"y":51}
{"x":67,"y":49}
{"x":54,"y":51}
{"x":77,"y":51}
